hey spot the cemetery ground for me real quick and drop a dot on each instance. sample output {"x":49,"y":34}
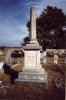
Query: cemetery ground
{"x":55,"y":89}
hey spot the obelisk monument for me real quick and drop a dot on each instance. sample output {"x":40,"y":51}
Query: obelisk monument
{"x":33,"y":38}
{"x":32,"y":70}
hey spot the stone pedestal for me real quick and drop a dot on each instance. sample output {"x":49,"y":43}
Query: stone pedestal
{"x":32,"y":70}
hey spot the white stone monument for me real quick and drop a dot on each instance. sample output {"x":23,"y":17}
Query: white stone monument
{"x":32,"y":70}
{"x":1,"y":52}
{"x":65,"y":60}
{"x":8,"y":59}
{"x":44,"y":59}
{"x":1,"y":66}
{"x":56,"y":59}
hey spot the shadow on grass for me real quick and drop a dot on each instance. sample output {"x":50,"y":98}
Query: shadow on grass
{"x":55,"y":89}
{"x":13,"y":74}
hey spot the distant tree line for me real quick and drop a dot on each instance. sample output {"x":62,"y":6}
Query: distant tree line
{"x":50,"y":28}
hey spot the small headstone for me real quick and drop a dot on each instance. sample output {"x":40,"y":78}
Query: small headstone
{"x":1,"y":66}
{"x":8,"y":57}
{"x":1,"y":53}
{"x":44,"y":58}
{"x":56,"y":59}
{"x":41,"y":55}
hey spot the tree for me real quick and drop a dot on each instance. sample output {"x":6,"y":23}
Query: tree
{"x":25,"y":40}
{"x":50,"y":27}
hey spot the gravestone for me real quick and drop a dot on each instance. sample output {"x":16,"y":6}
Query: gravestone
{"x":1,"y":52}
{"x":65,"y":56}
{"x":8,"y":59}
{"x":65,"y":60}
{"x":44,"y":59}
{"x":56,"y":59}
{"x":32,"y":70}
{"x":1,"y":66}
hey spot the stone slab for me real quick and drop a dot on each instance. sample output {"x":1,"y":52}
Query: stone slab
{"x":32,"y":47}
{"x":32,"y":83}
{"x":32,"y":77}
{"x":33,"y":70}
{"x":34,"y":41}
{"x":32,"y":59}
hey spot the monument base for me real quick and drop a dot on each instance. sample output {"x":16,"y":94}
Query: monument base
{"x":32,"y":76}
{"x":32,"y":71}
{"x":33,"y":42}
{"x":35,"y":84}
{"x":30,"y":83}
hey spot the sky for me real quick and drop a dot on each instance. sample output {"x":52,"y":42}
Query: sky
{"x":14,"y":15}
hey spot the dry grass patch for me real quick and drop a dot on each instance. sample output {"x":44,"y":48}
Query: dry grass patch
{"x":2,"y":58}
{"x":5,"y":78}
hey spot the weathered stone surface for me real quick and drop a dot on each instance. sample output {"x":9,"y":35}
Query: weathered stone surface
{"x":56,"y":59}
{"x":32,"y":59}
{"x":32,"y":47}
{"x":33,"y":24}
{"x":30,"y":83}
{"x":32,"y":70}
{"x":1,"y":66}
{"x":33,"y":76}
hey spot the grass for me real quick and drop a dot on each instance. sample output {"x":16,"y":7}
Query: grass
{"x":25,"y":92}
{"x":2,"y":58}
{"x":56,"y":72}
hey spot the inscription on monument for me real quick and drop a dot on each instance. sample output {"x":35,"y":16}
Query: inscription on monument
{"x":30,"y":59}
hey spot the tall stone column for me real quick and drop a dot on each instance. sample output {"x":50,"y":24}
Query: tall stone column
{"x":33,"y":38}
{"x":32,"y":70}
{"x":8,"y":58}
{"x":33,"y":23}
